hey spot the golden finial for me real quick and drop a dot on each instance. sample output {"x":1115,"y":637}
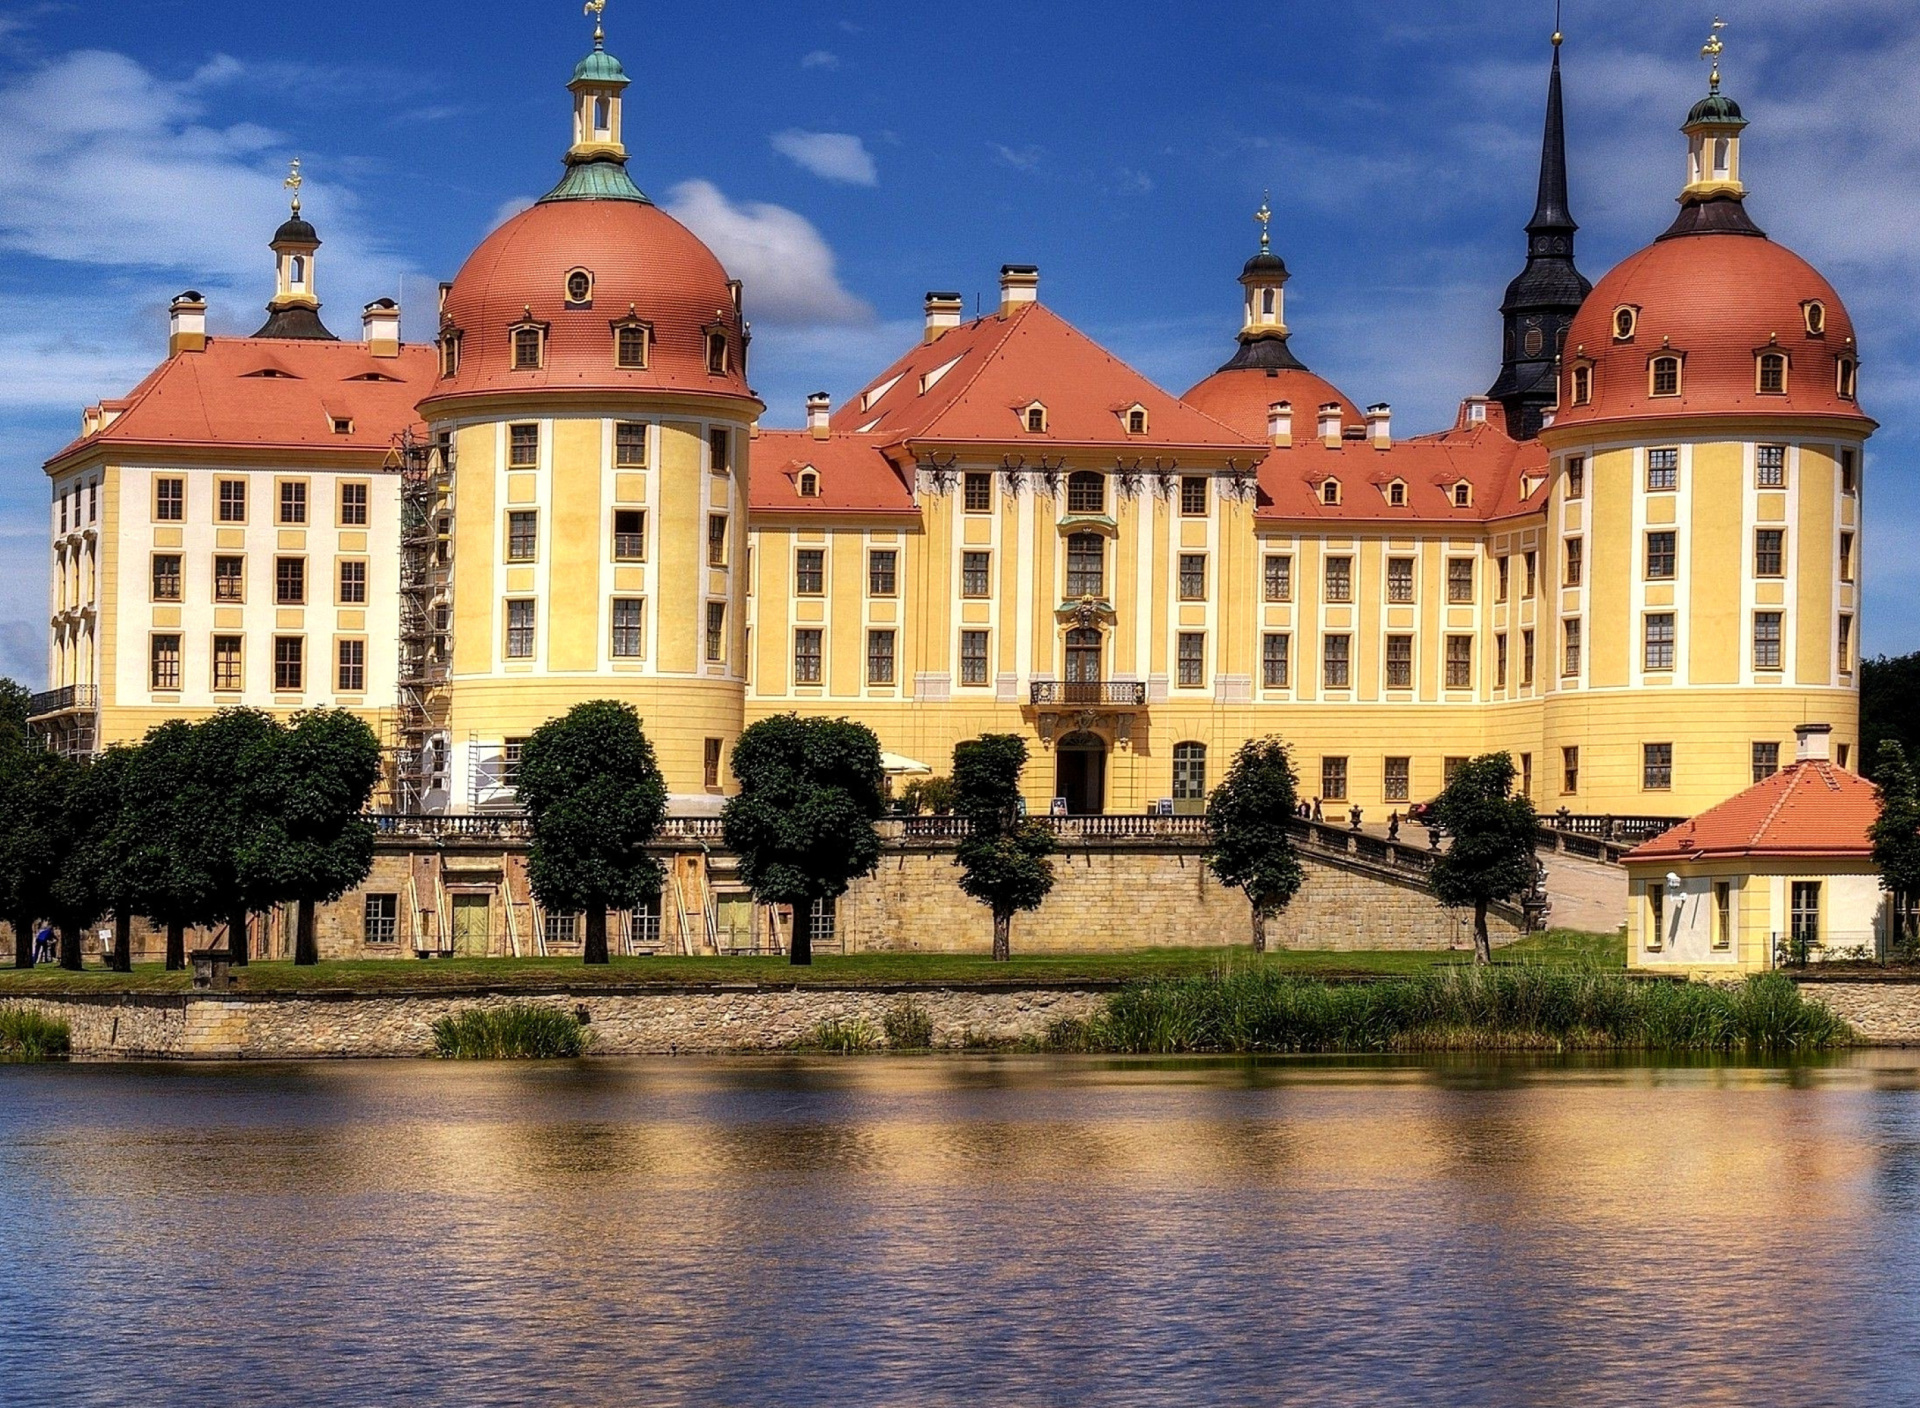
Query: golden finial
{"x":598,"y":9}
{"x":294,"y":182}
{"x":1265,"y":216}
{"x":1557,"y":35}
{"x":1712,"y":49}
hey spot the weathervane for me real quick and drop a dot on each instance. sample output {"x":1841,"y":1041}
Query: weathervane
{"x":598,"y":9}
{"x":294,"y":182}
{"x":1557,"y":35}
{"x":1712,"y":49}
{"x":1265,"y":216}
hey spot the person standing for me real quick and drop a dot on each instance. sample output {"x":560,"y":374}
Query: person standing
{"x":43,"y":944}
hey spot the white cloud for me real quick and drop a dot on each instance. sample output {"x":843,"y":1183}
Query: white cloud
{"x":820,"y":58}
{"x":23,"y":613}
{"x":787,"y":267}
{"x":832,"y":156}
{"x":1019,"y":158}
{"x":508,"y":209}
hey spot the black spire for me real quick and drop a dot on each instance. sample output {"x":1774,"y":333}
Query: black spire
{"x":1540,"y":304}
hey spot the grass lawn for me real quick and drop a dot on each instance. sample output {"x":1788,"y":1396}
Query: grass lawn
{"x":1558,"y":946}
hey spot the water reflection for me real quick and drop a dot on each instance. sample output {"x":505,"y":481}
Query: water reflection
{"x":995,"y":1230}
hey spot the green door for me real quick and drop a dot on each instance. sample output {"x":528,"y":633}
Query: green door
{"x":471,"y":918}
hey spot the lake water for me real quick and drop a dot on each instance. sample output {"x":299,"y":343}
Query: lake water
{"x":979,"y":1230}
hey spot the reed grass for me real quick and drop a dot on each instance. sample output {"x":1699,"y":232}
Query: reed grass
{"x":843,"y":1038}
{"x":27,"y":1034}
{"x":1524,"y":1007}
{"x":522,"y":1031}
{"x":908,"y":1026}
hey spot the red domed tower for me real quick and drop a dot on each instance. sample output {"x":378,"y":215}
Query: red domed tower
{"x":1709,"y":456}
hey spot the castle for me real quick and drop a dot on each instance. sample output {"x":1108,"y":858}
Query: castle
{"x":1633,"y":563}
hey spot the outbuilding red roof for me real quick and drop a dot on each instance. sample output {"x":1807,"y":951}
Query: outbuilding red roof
{"x":853,"y":475}
{"x":1808,"y":809}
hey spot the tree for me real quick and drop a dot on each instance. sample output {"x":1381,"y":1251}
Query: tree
{"x":232,"y":771}
{"x":802,"y":822}
{"x":315,"y":843}
{"x":1494,"y":833}
{"x":96,"y":877}
{"x":1003,"y":858}
{"x":595,"y":799}
{"x":16,"y":703}
{"x":164,"y":847}
{"x":1248,"y":821}
{"x":927,"y":794}
{"x":33,"y":788}
{"x":1889,"y":704}
{"x":1896,"y":833}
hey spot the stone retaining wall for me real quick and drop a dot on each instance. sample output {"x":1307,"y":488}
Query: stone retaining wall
{"x":1883,"y":1013}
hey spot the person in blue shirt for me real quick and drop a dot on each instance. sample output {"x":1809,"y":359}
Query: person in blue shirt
{"x":43,"y":945}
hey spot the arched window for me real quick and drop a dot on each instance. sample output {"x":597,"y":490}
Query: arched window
{"x":1665,"y":376}
{"x":1582,"y":386}
{"x":449,"y":354}
{"x":1849,"y":374}
{"x":1816,"y":312}
{"x":1136,"y":421}
{"x":1083,"y":655}
{"x":716,"y":353}
{"x":630,"y":346}
{"x":1189,"y":772}
{"x":1086,"y":492}
{"x":809,"y":485}
{"x":1266,"y":302}
{"x":1773,"y":373}
{"x":1463,"y":495}
{"x":528,"y":348}
{"x":1036,"y":420}
{"x":1086,"y":565}
{"x":1397,"y":494}
{"x":1624,"y":322}
{"x":1330,"y":491}
{"x":297,"y":271}
{"x":602,"y":117}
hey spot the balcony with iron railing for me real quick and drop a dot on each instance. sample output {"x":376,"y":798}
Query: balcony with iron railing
{"x":69,"y":699}
{"x":1090,"y":694}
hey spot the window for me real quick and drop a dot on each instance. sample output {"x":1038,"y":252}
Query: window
{"x":808,"y":484}
{"x":229,"y":579}
{"x":629,"y":535}
{"x":1656,"y":766}
{"x":450,"y":354}
{"x":629,"y":628}
{"x":1086,"y":492}
{"x":977,"y":493}
{"x":1505,"y":565}
{"x":1274,"y":655}
{"x":1766,"y":640}
{"x":716,"y":540}
{"x":1336,"y":660}
{"x":1400,"y":579}
{"x":1532,"y":561}
{"x":557,"y":929}
{"x":806,"y":656}
{"x":169,"y":500}
{"x":630,"y":346}
{"x":380,"y":919}
{"x":1399,"y":662}
{"x":1766,"y":761}
{"x":1330,"y":491}
{"x":1463,"y":495}
{"x":1570,"y":770}
{"x":523,"y":535}
{"x":1459,"y":662}
{"x":1769,"y":552}
{"x":1570,"y":648}
{"x":1847,"y":378}
{"x":716,"y":632}
{"x":1840,"y":755}
{"x":351,"y":659}
{"x":528,"y":345}
{"x":1136,"y":421}
{"x":1663,"y":469}
{"x":520,"y":630}
{"x":1624,"y":319}
{"x":1278,"y":572}
{"x":1193,"y":576}
{"x":1656,"y":915}
{"x":511,"y":751}
{"x":233,"y":501}
{"x":1193,"y":496}
{"x":290,"y":581}
{"x":1036,"y":420}
{"x":1086,"y":565}
{"x":1576,"y":560}
{"x":630,"y":445}
{"x":289,"y":663}
{"x":1722,"y":914}
{"x":1770,"y":466}
{"x":1398,"y":784}
{"x":1526,"y":775}
{"x":1460,"y":580}
{"x":810,"y":571}
{"x":976,"y":574}
{"x":353,"y":582}
{"x":1084,"y":646}
{"x":1849,"y":473}
{"x":1339,"y":580}
{"x":1577,"y":477}
{"x":1193,"y":659}
{"x":1660,"y":554}
{"x":720,"y":450}
{"x":1333,"y":779}
{"x":523,"y":447}
{"x":1500,"y":661}
{"x":1526,"y":659}
{"x":353,"y":505}
{"x":1806,"y":915}
{"x":1844,"y":645}
{"x":1189,"y":772}
{"x":1666,"y":376}
{"x":710,"y":762}
{"x":166,"y":577}
{"x":293,"y":503}
{"x":882,"y":573}
{"x":164,"y":663}
{"x":1582,"y":385}
{"x":716,"y":353}
{"x":1816,"y":313}
{"x":825,"y":917}
{"x":1659,"y":641}
{"x":973,"y":657}
{"x":1846,"y":557}
{"x":879,"y":657}
{"x":1773,"y":374}
{"x":1397,"y":494}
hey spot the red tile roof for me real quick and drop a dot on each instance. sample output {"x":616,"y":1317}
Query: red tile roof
{"x":271,"y":393}
{"x":1240,"y":398}
{"x":856,"y":476}
{"x":1292,"y":480}
{"x":1808,"y":809}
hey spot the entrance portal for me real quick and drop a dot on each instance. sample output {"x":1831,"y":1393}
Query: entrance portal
{"x":1080,"y":773}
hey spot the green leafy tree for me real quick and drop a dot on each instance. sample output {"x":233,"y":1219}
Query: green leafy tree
{"x":15,"y":703}
{"x":1004,"y":858}
{"x":802,"y":822}
{"x":595,"y":800}
{"x":1889,"y":704}
{"x":164,"y":841}
{"x":33,"y":817}
{"x":1493,"y":835}
{"x":1248,"y":819}
{"x":1896,"y":834}
{"x":315,"y":843}
{"x":231,"y":776}
{"x":97,"y":876}
{"x":927,"y":794}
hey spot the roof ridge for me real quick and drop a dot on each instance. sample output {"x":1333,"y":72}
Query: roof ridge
{"x":960,"y":392}
{"x":1792,"y":776}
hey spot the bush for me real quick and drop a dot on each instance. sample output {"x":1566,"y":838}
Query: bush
{"x":27,"y":1034}
{"x":1256,"y":1009}
{"x":844,"y":1038}
{"x":909,"y":1026}
{"x":521,"y":1031}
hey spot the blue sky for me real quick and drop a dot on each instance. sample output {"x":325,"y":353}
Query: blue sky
{"x":845,"y":158}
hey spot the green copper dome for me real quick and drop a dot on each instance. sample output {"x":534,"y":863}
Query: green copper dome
{"x":600,"y":67}
{"x":1716,"y":107}
{"x":597,"y":180}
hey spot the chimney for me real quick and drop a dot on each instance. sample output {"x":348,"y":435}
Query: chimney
{"x":1019,"y":285}
{"x":819,"y":408}
{"x":1380,"y":425}
{"x":1330,"y":425}
{"x":943,"y":314}
{"x":1813,"y":743}
{"x":380,"y":320}
{"x":1280,"y":424}
{"x":187,"y":325}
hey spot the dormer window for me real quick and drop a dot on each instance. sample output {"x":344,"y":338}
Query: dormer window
{"x":808,"y":484}
{"x":1330,"y":491}
{"x":1772,"y":374}
{"x":1583,"y":386}
{"x":1625,"y":319}
{"x":1848,"y":376}
{"x":529,"y":346}
{"x":1397,"y":494}
{"x":1816,"y":315}
{"x":579,"y":288}
{"x":449,"y":354}
{"x":630,"y":339}
{"x":1663,"y":376}
{"x":716,"y":352}
{"x":1463,"y":495}
{"x":1035,"y":419}
{"x":342,"y":425}
{"x":1136,"y":417}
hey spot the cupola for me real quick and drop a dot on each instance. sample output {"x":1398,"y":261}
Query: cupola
{"x":597,"y":160}
{"x":1265,"y":280}
{"x":295,"y":309}
{"x":1712,"y":200}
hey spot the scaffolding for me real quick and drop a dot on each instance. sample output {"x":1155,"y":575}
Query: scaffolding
{"x":418,"y":743}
